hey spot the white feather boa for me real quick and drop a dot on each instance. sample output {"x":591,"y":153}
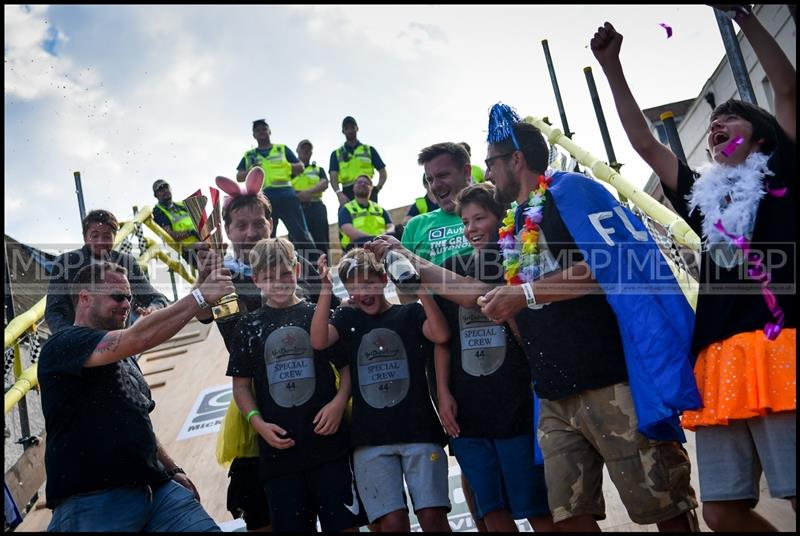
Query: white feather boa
{"x":730,"y":194}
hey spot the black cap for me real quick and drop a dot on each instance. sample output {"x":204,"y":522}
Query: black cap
{"x":347,"y":120}
{"x":259,"y":122}
{"x":160,"y":183}
{"x":304,"y":142}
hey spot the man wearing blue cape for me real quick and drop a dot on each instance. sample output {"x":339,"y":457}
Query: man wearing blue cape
{"x":607,"y":332}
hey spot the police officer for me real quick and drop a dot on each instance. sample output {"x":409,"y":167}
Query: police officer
{"x":352,"y":159}
{"x":309,"y":187}
{"x":279,"y":164}
{"x":173,"y":217}
{"x":361,"y":219}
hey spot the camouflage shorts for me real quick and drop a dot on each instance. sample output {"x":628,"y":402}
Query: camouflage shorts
{"x":580,"y":433}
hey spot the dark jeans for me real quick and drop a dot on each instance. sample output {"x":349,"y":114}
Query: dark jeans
{"x":286,"y":207}
{"x":317,"y":220}
{"x":348,"y":191}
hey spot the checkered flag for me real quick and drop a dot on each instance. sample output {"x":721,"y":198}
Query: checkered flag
{"x":663,"y":237}
{"x":8,"y":364}
{"x":140,"y":236}
{"x":36,"y":346}
{"x":126,"y":246}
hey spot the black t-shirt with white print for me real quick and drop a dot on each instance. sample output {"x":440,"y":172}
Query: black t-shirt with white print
{"x":572,"y":345}
{"x":292,"y":383}
{"x":99,"y":433}
{"x":387,"y":355}
{"x":489,"y":373}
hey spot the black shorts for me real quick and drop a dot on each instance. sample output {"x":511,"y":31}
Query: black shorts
{"x":327,"y":492}
{"x":246,"y":496}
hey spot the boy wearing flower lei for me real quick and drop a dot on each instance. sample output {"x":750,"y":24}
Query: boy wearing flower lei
{"x":744,"y":204}
{"x":591,"y":340}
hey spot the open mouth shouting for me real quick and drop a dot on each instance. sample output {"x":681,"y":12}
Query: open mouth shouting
{"x":719,"y":138}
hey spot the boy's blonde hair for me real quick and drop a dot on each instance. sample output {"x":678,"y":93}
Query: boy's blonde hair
{"x":358,"y":261}
{"x":268,"y":252}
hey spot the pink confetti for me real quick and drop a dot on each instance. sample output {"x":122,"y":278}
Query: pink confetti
{"x":735,"y":142}
{"x":667,"y":27}
{"x":778,"y":192}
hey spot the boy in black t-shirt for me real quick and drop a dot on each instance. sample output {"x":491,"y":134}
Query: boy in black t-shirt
{"x":297,"y":411}
{"x":484,"y":385}
{"x":395,"y":430}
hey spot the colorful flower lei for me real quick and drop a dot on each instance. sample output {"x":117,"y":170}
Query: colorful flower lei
{"x":521,"y":261}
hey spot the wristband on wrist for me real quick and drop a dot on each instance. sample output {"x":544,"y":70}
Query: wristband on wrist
{"x":201,"y":301}
{"x":251,"y":413}
{"x":530,"y":299}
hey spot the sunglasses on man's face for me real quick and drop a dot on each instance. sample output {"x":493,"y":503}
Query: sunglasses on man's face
{"x":119,"y":297}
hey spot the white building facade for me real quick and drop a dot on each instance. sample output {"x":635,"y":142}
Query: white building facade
{"x":778,"y":21}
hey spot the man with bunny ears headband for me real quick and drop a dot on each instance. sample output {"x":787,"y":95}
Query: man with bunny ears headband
{"x":247,"y":215}
{"x":279,"y":164}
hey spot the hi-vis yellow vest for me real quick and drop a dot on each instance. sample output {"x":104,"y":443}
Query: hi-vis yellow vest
{"x":422,"y":204}
{"x":180,"y":220}
{"x":277,"y":170}
{"x":477,"y":174}
{"x":309,"y":178}
{"x":367,"y":219}
{"x":351,"y":165}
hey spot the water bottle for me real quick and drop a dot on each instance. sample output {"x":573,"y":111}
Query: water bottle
{"x":401,"y":272}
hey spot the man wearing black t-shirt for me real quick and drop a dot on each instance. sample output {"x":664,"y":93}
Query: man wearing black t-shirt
{"x":575,"y":349}
{"x":106,"y":470}
{"x":99,"y":231}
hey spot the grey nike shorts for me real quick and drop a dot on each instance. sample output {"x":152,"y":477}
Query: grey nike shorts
{"x":380,"y":472}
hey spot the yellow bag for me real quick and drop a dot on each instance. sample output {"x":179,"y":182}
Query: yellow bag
{"x":236,"y":438}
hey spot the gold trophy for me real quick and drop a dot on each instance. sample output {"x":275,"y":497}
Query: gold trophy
{"x":210,"y":231}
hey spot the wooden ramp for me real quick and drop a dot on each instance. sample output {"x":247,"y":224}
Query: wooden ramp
{"x":183,"y":374}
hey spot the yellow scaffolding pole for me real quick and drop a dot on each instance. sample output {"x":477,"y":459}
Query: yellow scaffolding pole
{"x":674,"y":224}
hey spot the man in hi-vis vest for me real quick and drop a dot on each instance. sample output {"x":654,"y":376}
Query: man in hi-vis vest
{"x":173,"y":217}
{"x":361,"y":219}
{"x":351,"y":160}
{"x":279,"y":164}
{"x":309,"y":187}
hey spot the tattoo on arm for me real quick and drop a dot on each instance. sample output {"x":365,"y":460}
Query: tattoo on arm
{"x":109,"y":343}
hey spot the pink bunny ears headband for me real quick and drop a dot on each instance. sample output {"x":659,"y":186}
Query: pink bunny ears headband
{"x":252,"y":185}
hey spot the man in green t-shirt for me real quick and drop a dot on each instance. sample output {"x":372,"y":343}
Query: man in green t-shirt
{"x":438,"y":235}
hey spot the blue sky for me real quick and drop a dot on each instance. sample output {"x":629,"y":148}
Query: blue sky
{"x":130,"y":94}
